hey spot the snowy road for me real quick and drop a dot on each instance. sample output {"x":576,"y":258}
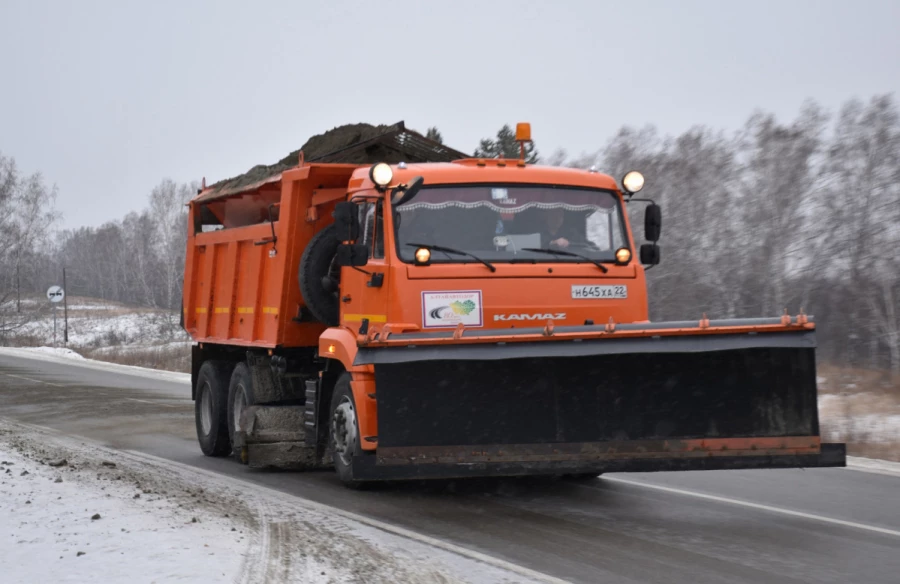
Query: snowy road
{"x":817,"y":525}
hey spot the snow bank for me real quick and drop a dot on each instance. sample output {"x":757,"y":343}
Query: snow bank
{"x":98,"y":365}
{"x":57,"y":351}
{"x":874,"y":465}
{"x":163,"y":521}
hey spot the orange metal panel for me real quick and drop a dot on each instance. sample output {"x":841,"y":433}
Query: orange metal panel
{"x":363,"y":387}
{"x":205,"y":289}
{"x":245,"y":305}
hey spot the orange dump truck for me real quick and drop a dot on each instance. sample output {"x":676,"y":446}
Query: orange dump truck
{"x":445,"y":316}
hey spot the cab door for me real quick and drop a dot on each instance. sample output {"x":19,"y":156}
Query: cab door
{"x":364,"y":289}
{"x":375,"y":294}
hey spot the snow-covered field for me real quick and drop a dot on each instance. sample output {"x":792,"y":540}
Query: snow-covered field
{"x":96,"y":323}
{"x":74,"y":511}
{"x":100,"y":329}
{"x":862,"y":408}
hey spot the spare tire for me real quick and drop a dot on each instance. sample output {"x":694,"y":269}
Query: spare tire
{"x":315,"y":264}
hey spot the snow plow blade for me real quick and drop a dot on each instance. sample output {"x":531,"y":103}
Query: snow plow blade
{"x":738,"y":394}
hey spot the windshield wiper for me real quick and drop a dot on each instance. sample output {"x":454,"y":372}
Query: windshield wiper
{"x":558,"y":252}
{"x":456,"y":251}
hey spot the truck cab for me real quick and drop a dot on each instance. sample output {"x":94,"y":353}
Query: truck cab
{"x":490,"y":245}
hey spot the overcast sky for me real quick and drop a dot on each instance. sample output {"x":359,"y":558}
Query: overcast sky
{"x":108,"y":98}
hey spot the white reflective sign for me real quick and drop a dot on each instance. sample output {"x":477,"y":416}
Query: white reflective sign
{"x":55,"y":294}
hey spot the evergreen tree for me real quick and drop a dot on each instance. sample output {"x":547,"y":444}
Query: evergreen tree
{"x":505,"y":146}
{"x":434,"y":134}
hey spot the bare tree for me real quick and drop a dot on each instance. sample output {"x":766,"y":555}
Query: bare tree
{"x":169,"y":216}
{"x":861,"y":199}
{"x":778,"y":176}
{"x":26,"y":218}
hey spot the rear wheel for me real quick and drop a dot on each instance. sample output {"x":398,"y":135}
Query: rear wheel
{"x":240,"y":395}
{"x":210,"y":409}
{"x":344,"y":433}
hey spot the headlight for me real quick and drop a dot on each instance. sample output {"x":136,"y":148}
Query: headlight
{"x":423,"y":254}
{"x":381,"y":174}
{"x":623,"y":255}
{"x":633,"y":182}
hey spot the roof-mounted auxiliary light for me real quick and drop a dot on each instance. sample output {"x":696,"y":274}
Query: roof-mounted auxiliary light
{"x":381,"y":174}
{"x":632,"y":182}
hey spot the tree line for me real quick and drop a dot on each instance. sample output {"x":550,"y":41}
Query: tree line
{"x":802,"y":214}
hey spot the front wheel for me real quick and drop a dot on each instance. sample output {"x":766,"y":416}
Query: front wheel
{"x":344,"y":433}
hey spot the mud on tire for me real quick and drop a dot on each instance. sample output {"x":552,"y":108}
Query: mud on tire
{"x":210,"y":408}
{"x":343,"y":433}
{"x":240,"y":396}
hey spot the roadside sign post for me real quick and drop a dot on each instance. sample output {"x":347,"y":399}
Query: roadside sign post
{"x":56,"y":294}
{"x":65,"y":313}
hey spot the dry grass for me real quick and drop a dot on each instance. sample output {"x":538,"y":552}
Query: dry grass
{"x":169,"y":357}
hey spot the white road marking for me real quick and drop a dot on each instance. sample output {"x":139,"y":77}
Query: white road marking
{"x":34,"y":380}
{"x":759,"y":506}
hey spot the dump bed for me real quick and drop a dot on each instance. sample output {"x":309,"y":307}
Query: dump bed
{"x":241,"y":285}
{"x":247,"y":234}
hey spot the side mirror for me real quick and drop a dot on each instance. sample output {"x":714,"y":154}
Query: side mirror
{"x":346,"y":218}
{"x":352,"y":255}
{"x":412,"y":189}
{"x":649,"y":254}
{"x":652,"y":222}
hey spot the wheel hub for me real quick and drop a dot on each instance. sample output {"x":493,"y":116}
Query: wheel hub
{"x":238,"y":405}
{"x":343,"y":429}
{"x":206,"y":415}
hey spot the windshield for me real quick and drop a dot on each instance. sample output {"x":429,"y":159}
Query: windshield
{"x":499,"y":222}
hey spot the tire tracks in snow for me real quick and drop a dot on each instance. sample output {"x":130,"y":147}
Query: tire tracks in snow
{"x":298,"y":540}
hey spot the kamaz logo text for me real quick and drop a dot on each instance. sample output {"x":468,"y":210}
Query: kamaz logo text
{"x":535,"y":316}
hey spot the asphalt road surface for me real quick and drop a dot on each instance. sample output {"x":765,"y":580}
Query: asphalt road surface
{"x":816,"y":525}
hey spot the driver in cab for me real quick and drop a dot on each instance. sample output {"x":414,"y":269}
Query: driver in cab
{"x":557,"y":234}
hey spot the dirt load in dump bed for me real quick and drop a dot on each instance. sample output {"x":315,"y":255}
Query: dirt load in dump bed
{"x":348,"y":144}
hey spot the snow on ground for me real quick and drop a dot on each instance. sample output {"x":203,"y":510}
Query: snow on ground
{"x":125,"y":349}
{"x":74,"y":511}
{"x":874,"y":465}
{"x":55,"y":351}
{"x":870,"y":417}
{"x":99,"y":327}
{"x":84,"y":521}
{"x":93,"y":307}
{"x":112,"y":332}
{"x":41,"y":354}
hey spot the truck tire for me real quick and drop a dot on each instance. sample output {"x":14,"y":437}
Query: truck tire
{"x":240,"y":396}
{"x":315,"y":264}
{"x":211,"y":410}
{"x":343,"y":433}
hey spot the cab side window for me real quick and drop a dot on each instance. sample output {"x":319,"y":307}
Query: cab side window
{"x":372,"y":221}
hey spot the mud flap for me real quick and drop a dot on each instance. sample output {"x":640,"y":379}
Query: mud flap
{"x":273,"y":437}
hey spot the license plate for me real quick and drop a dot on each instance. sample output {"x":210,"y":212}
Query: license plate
{"x":591,"y":291}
